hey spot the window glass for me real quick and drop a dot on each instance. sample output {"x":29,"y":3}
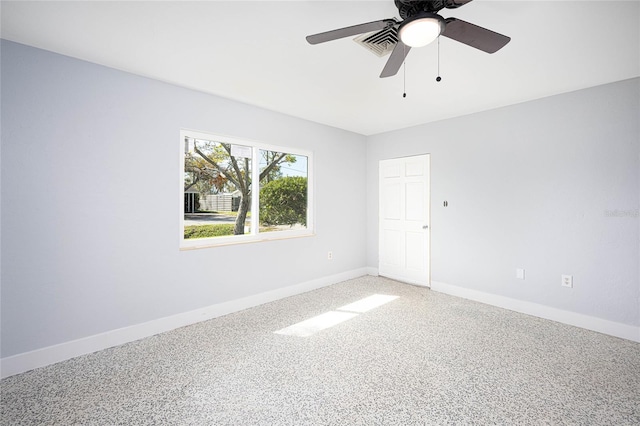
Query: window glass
{"x":283,"y":191}
{"x":218,"y":204}
{"x":217,"y":186}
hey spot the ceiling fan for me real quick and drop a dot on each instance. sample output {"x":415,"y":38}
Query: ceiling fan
{"x":420,"y":25}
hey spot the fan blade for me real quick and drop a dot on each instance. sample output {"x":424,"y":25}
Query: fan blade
{"x":395,"y":60}
{"x":474,"y":36}
{"x":350,"y":31}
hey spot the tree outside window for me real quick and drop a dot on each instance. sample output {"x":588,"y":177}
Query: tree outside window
{"x":218,"y":189}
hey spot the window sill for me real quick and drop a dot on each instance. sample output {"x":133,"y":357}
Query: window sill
{"x":203,"y":243}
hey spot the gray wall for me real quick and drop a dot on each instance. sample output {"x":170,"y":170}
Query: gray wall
{"x":93,"y":144}
{"x":529,"y":186}
{"x":534,"y":186}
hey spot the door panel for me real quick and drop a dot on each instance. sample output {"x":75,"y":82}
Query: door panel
{"x":414,"y":168}
{"x":392,"y":207}
{"x":404,"y":219}
{"x":393,"y":247}
{"x":416,"y":256}
{"x":390,"y":170}
{"x":414,"y":201}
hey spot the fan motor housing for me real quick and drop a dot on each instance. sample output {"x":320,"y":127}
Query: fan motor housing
{"x":409,"y":8}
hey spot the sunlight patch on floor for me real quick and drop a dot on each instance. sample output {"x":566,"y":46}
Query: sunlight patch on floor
{"x":368,"y":303}
{"x":329,"y":319}
{"x":315,"y":324}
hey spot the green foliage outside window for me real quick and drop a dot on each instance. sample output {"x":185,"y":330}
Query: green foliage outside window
{"x":284,"y":201}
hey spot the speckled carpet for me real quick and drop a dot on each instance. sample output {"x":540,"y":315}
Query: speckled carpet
{"x":424,"y":358}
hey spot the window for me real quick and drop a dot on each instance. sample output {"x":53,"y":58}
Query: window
{"x":220,"y":177}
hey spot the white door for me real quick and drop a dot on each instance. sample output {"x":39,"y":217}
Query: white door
{"x":404,"y":219}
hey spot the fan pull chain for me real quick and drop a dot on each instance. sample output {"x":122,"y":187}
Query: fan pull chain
{"x":404,"y":71}
{"x":438,"y":78}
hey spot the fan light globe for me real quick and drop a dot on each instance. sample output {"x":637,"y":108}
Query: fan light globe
{"x":421,"y":29}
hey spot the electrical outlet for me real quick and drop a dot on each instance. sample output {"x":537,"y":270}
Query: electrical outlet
{"x":567,"y":281}
{"x":330,"y":255}
{"x":520,"y":274}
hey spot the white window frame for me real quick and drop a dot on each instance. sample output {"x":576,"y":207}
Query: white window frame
{"x":254,"y":235}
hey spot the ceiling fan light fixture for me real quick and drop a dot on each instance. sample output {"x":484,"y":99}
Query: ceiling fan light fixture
{"x":421,"y":29}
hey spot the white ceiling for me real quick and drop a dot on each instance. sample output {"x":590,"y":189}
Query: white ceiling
{"x":255,"y":52}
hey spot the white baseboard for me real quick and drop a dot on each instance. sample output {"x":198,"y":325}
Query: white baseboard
{"x":611,"y":328}
{"x":20,"y":363}
{"x":371,"y":270}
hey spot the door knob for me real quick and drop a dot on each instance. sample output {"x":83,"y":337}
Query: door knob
{"x":425,"y":226}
